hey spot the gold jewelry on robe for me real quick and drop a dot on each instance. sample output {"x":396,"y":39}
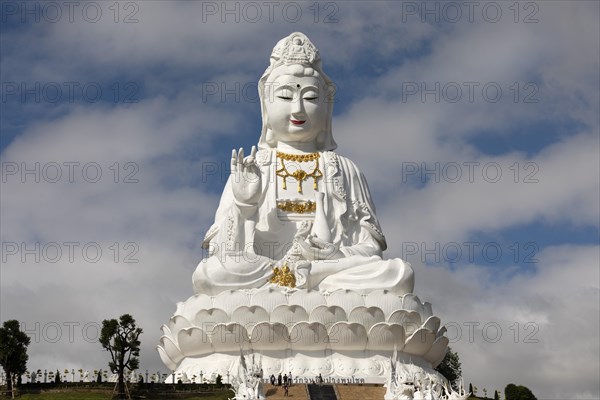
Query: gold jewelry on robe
{"x":300,"y":175}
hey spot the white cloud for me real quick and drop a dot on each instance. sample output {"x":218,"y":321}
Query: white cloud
{"x":537,"y":330}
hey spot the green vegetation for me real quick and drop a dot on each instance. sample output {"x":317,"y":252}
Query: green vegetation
{"x":106,"y":396}
{"x":514,"y":392}
{"x":121,"y":339}
{"x":450,"y":368}
{"x":13,"y":352}
{"x":65,"y":396}
{"x":106,"y":392}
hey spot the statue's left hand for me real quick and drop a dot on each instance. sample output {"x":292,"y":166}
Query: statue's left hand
{"x":314,"y":248}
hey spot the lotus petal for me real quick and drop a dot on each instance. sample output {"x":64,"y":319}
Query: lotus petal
{"x":207,"y":319}
{"x":427,"y":311}
{"x":347,"y":336}
{"x":410,"y":320}
{"x":419,"y":342}
{"x":171,"y":349}
{"x":165,"y":359}
{"x":347,"y":299}
{"x":441,"y":332}
{"x":166,"y":331}
{"x":229,"y":300}
{"x":308,"y":300}
{"x":438,"y":351}
{"x":410,"y":302}
{"x":309,"y":336}
{"x":385,"y":336}
{"x":228,"y":337}
{"x":432,"y":323}
{"x":268,"y":299}
{"x":366,"y":316}
{"x":179,"y":309}
{"x":190,"y":307}
{"x":177,"y":323}
{"x":249,"y":316}
{"x":289,"y":315}
{"x":194,"y":342}
{"x":385,"y":300}
{"x":268,"y":336}
{"x":327,"y":315}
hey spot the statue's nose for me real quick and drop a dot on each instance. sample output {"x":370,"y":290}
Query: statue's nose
{"x":298,"y":107}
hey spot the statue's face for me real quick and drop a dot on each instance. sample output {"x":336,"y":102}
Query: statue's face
{"x":296,"y":107}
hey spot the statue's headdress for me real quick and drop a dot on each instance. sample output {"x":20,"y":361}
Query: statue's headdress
{"x":297,"y":49}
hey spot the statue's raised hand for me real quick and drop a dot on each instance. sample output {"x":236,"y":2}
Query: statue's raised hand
{"x":245,"y":177}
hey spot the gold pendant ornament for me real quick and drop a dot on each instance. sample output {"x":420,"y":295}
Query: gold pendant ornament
{"x":300,"y":175}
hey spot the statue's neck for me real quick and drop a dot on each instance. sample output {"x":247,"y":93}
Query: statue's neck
{"x":297,"y":147}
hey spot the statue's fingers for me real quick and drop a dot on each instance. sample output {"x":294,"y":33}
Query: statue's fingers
{"x":233,"y":161}
{"x":240,"y":159}
{"x":320,"y":243}
{"x":252,"y":157}
{"x":306,"y":250}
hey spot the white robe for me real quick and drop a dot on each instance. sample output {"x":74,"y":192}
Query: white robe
{"x":246,"y":242}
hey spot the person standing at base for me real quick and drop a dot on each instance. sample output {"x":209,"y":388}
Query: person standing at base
{"x":286,"y":389}
{"x":279,"y":380}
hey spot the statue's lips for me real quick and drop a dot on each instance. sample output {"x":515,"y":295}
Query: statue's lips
{"x":296,"y":122}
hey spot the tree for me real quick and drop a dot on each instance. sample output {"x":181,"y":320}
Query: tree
{"x":450,"y":368}
{"x":121,"y":339}
{"x":57,"y":377}
{"x":496,"y":395}
{"x":514,"y":392}
{"x":13,"y":352}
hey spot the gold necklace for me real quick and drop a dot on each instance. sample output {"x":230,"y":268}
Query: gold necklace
{"x":300,"y":175}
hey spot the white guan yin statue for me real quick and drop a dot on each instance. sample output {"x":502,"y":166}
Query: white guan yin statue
{"x":294,"y":269}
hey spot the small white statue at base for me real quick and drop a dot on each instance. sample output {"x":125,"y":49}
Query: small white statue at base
{"x":248,"y":384}
{"x":459,"y":394}
{"x":407,"y":382}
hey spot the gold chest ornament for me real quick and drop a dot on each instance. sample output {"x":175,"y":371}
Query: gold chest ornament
{"x":299,"y":175}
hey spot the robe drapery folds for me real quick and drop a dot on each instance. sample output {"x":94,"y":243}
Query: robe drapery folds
{"x":246,"y":242}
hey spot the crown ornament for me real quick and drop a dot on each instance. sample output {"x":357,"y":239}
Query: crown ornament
{"x":295,"y":49}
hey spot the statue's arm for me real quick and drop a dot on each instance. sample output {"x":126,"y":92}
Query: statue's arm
{"x":367,"y":238}
{"x":233,"y":226}
{"x":366,"y":246}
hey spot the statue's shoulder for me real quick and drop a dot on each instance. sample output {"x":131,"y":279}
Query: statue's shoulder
{"x":340,"y":163}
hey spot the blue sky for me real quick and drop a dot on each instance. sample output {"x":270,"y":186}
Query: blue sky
{"x":514,"y":160}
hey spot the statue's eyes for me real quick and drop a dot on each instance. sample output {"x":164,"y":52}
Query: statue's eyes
{"x":311,"y":95}
{"x":285,"y":94}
